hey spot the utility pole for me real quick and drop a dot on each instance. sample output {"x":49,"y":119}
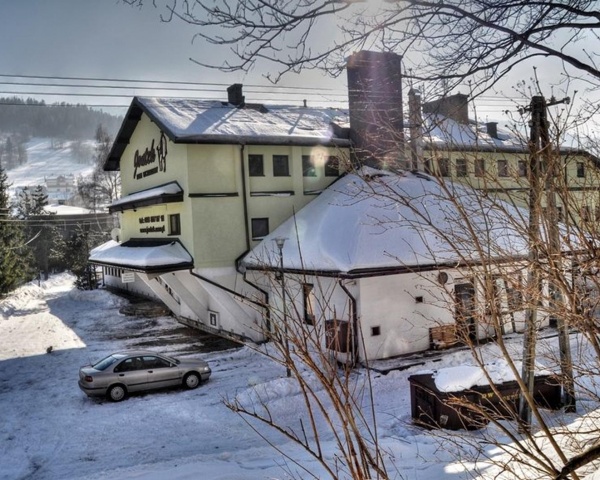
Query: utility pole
{"x":540,"y":146}
{"x":553,"y":173}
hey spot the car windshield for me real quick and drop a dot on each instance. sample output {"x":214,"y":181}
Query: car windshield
{"x":171,"y":359}
{"x":107,"y":362}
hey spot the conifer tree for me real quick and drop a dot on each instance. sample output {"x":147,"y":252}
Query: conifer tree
{"x":14,"y":255}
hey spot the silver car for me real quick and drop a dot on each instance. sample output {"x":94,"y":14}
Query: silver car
{"x":121,"y":373}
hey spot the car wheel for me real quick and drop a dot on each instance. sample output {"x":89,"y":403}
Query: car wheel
{"x":116,"y":393}
{"x":191,"y":380}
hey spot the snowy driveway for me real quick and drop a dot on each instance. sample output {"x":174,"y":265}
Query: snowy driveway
{"x":50,"y":430}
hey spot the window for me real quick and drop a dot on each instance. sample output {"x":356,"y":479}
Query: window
{"x":479,"y":167}
{"x":502,"y":166}
{"x":255,"y":166}
{"x":560,"y":215}
{"x":174,"y":224}
{"x":281,"y":166}
{"x":522,"y":168}
{"x":155,"y":362}
{"x":427,"y":167}
{"x":580,"y":170}
{"x":444,"y":167}
{"x":585,"y":213}
{"x":514,"y":292}
{"x":332,"y":167}
{"x":260,"y":228}
{"x":308,"y":166}
{"x":375,"y":331}
{"x":307,"y":295}
{"x":461,"y":167}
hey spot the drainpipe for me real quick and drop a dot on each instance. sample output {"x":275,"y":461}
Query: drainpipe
{"x":354,"y":323}
{"x":245,"y":196}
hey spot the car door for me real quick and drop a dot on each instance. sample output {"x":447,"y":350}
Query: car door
{"x":131,"y":373}
{"x":160,"y":372}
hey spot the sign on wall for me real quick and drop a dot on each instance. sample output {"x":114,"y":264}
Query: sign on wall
{"x":154,"y":157}
{"x":127,"y":277}
{"x":152,"y":224}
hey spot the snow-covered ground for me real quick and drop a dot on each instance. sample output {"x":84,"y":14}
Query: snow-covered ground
{"x":47,"y":161}
{"x":50,"y":430}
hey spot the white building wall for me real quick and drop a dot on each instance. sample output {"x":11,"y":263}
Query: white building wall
{"x":397,"y":311}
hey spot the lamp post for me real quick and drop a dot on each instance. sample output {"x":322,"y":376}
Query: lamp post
{"x":280,"y":242}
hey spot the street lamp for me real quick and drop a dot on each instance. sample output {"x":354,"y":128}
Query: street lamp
{"x":280,"y":242}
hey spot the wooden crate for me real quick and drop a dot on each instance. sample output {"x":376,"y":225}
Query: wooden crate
{"x":443,"y":336}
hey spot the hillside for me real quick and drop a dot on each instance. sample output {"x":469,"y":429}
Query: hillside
{"x":49,"y":160}
{"x":33,"y":118}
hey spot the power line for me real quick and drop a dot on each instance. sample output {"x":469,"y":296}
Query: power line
{"x":166,"y":82}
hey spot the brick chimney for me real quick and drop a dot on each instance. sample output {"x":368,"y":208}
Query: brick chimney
{"x":375,"y":101}
{"x":492,"y":129}
{"x":234,"y":95}
{"x":455,"y":107}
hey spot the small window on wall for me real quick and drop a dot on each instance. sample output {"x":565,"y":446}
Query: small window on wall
{"x":580,"y":170}
{"x":256,"y":166}
{"x":522,"y":168}
{"x":308,"y":166}
{"x":281,"y":166}
{"x":444,"y":167}
{"x":585,"y":213}
{"x":174,"y":224}
{"x":332,"y":167}
{"x":479,"y":167}
{"x":260,"y":228}
{"x":461,"y":167}
{"x":308,"y":303}
{"x":502,"y":168}
{"x":427,"y":167}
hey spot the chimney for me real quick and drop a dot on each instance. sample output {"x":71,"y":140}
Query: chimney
{"x":492,"y":129}
{"x":454,"y":106}
{"x":234,"y":95}
{"x":375,"y":101}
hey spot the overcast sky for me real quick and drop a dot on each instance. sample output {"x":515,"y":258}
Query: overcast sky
{"x":108,"y":39}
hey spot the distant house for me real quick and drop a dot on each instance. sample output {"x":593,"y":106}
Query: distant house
{"x":68,"y":219}
{"x":380,"y":258}
{"x":487,"y":157}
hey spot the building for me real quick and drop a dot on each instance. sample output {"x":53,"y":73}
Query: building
{"x":375,"y":263}
{"x":206,"y":184}
{"x":487,"y":157}
{"x":202,"y":183}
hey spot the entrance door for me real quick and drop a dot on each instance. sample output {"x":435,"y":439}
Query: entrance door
{"x":464,"y":297}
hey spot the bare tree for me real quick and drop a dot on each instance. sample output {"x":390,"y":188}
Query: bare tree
{"x":451,"y":41}
{"x":102,"y":187}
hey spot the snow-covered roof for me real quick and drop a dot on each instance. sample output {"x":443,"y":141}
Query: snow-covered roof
{"x":66,"y":209}
{"x":363,"y":224}
{"x":189,"y":120}
{"x":170,"y":192}
{"x":148,"y":255}
{"x":210,"y":121}
{"x":447,"y":133}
